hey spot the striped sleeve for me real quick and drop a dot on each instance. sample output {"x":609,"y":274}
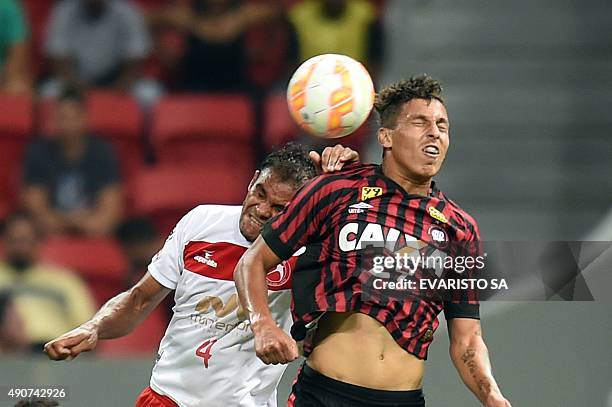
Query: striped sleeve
{"x":464,"y":303}
{"x":300,"y":221}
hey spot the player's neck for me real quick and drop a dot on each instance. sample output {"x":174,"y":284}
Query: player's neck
{"x":408,"y":184}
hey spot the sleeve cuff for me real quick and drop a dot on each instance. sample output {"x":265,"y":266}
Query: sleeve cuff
{"x":160,"y":278}
{"x":270,"y":236}
{"x":462,"y":310}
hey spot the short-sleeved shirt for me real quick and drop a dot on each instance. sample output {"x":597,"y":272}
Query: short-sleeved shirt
{"x":207,"y":356}
{"x":98,"y":46}
{"x":12,"y":27}
{"x":72,"y":185}
{"x":338,"y":218}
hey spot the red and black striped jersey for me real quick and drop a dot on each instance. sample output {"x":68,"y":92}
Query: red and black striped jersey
{"x":345,"y":218}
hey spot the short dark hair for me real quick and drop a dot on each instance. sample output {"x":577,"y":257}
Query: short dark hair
{"x":71,"y":94}
{"x":291,"y":164}
{"x":390,"y":100}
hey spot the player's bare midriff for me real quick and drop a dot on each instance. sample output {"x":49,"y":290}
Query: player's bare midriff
{"x":355,"y":348}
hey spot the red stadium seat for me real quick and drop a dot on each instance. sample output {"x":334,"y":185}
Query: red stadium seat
{"x":279,"y":127}
{"x":99,"y":261}
{"x":15,"y":132}
{"x":117,"y":118}
{"x":165,"y":193}
{"x":216,"y":129}
{"x":144,"y":340}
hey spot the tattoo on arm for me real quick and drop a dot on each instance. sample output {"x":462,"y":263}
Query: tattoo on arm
{"x":483,"y":383}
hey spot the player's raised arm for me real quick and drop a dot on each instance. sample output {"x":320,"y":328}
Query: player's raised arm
{"x":471,"y":359}
{"x":272,"y":344}
{"x":118,"y":317}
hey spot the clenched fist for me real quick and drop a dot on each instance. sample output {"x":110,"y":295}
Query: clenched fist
{"x":72,"y":343}
{"x":272,"y":344}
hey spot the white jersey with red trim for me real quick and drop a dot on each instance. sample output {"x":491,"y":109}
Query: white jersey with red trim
{"x":207,"y":356}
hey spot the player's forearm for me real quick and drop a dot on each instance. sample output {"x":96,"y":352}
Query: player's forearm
{"x":250,"y":278}
{"x":471,"y":359}
{"x":121,"y":314}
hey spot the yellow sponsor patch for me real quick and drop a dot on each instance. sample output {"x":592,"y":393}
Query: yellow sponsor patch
{"x":370,"y":192}
{"x":437,"y":215}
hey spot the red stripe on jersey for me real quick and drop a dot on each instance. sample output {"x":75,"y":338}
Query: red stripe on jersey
{"x":218,"y":260}
{"x":215,"y":260}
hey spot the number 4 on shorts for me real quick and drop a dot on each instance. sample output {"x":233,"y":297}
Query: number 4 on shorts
{"x":204,"y":351}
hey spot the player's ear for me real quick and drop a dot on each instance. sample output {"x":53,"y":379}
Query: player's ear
{"x":254,"y":179}
{"x":384,"y":137}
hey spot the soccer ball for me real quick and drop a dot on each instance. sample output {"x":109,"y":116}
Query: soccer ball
{"x":330,"y":95}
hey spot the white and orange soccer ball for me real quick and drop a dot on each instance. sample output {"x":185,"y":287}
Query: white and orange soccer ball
{"x":330,"y":95}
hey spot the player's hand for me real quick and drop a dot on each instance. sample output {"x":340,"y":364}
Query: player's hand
{"x":72,"y":343}
{"x":497,"y":400}
{"x":272,"y":344}
{"x":333,"y":158}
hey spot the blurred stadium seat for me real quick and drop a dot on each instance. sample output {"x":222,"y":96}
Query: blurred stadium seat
{"x":215,"y":128}
{"x":166,"y":192}
{"x":99,"y":261}
{"x":144,"y":340}
{"x":116,"y":117}
{"x":279,"y":127}
{"x":15,"y":132}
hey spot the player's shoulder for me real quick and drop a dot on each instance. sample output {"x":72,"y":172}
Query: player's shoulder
{"x":461,"y":216}
{"x":204,"y":213}
{"x":351,"y":175}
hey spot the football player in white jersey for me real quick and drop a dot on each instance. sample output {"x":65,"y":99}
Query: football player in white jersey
{"x":207,"y":357}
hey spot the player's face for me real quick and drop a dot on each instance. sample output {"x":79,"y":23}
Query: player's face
{"x":420,"y":140}
{"x":266,"y":197}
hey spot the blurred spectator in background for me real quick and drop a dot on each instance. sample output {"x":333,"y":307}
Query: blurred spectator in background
{"x":98,"y":44}
{"x":139,"y":241}
{"x":13,"y":337}
{"x":49,"y":300}
{"x":14,"y":60}
{"x":71,"y":180}
{"x":339,"y":27}
{"x":215,"y":54}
